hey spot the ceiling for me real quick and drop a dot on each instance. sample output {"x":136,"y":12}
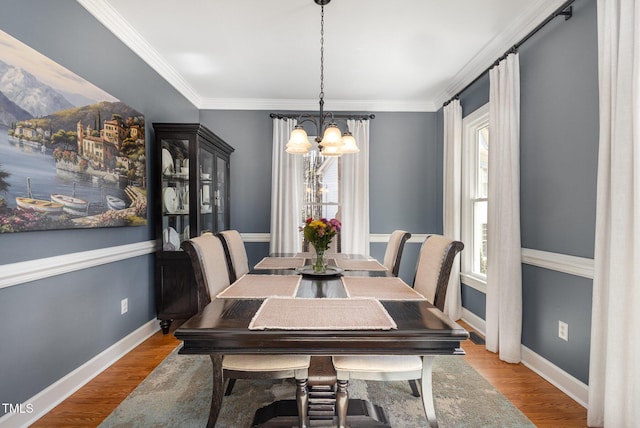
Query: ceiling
{"x":402,"y":55}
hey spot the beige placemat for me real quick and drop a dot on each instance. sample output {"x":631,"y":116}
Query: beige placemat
{"x":262,"y":286}
{"x":352,"y":264}
{"x":381,"y":288}
{"x":322,"y":314}
{"x":280,"y":263}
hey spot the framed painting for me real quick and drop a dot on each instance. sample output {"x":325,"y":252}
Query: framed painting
{"x":71,"y":155}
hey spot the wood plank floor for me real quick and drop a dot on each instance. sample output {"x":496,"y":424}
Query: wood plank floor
{"x":544,"y":405}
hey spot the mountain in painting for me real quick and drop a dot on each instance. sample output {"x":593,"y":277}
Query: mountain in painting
{"x":29,"y":93}
{"x":94,"y":115}
{"x":10,"y":112}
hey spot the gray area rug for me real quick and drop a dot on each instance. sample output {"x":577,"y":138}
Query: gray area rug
{"x":178,"y":394}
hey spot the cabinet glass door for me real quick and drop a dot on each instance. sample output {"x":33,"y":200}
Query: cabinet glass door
{"x":207,"y":191}
{"x":221,"y":193}
{"x":175,"y":193}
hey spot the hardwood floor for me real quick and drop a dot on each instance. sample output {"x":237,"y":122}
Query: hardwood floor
{"x":543,"y":404}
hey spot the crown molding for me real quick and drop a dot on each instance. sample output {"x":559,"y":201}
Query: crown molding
{"x":512,"y":34}
{"x":121,"y":28}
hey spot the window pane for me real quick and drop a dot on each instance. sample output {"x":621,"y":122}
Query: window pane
{"x":482,"y":162}
{"x":480,"y":237}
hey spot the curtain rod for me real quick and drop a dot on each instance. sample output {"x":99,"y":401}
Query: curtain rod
{"x":337,"y":116}
{"x":565,"y":10}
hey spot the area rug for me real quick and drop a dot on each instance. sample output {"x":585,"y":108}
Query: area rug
{"x":178,"y":394}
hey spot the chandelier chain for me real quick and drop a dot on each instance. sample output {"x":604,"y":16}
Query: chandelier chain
{"x":322,"y":54}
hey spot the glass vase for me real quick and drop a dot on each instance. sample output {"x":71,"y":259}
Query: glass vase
{"x":320,"y":261}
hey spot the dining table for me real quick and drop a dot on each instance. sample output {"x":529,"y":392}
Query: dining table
{"x":356,"y":308}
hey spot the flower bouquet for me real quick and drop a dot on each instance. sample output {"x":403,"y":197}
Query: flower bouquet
{"x":319,"y":233}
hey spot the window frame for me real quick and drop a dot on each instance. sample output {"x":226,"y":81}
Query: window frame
{"x":470,"y":126}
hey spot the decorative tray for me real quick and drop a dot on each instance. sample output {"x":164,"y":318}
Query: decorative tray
{"x":308,"y":270}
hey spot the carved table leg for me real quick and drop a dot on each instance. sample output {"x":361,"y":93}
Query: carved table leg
{"x":218,"y":390}
{"x":342,"y":402}
{"x":302,"y":400}
{"x":427,"y":391}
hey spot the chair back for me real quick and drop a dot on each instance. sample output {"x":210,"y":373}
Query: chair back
{"x":393,"y":253}
{"x":434,"y":268}
{"x":237,"y":260}
{"x":209,"y":266}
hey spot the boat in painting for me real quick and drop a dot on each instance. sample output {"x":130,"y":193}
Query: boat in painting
{"x":71,"y":204}
{"x":115,"y":203}
{"x":39,"y":205}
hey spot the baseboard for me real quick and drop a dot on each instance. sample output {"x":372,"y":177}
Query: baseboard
{"x":59,"y":391}
{"x":562,"y":380}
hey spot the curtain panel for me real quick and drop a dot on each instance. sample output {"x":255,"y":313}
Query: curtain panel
{"x":286,"y":192}
{"x":504,"y":268}
{"x":614,"y":373}
{"x":451,"y":195}
{"x":355,"y":193}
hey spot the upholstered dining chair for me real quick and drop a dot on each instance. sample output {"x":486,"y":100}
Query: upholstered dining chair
{"x":236,"y":254}
{"x":393,"y":253}
{"x":209,"y":263}
{"x":432,"y":278}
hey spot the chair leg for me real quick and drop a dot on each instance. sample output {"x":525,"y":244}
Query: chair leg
{"x":414,"y":388}
{"x":230,"y":384}
{"x":427,"y":391}
{"x":342,"y":402}
{"x":302,"y":401}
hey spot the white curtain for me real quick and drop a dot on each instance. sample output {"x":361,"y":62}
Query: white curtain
{"x":504,"y":269}
{"x":451,"y":194}
{"x":355,"y":192}
{"x":286,"y":192}
{"x":614,"y":372}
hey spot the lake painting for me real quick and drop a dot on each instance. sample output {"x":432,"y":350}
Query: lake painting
{"x":71,"y":155}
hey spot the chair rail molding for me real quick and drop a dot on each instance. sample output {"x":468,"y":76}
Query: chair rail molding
{"x":579,"y":266}
{"x":31,"y":270}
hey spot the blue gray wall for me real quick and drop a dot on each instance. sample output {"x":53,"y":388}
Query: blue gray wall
{"x":52,"y":326}
{"x":559,"y":149}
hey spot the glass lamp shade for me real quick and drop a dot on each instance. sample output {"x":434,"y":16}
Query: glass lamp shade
{"x":331,"y":151}
{"x":349,"y":143}
{"x":332,"y":136}
{"x":298,"y":141}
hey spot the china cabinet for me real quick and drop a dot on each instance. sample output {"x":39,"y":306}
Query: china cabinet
{"x":192,"y":197}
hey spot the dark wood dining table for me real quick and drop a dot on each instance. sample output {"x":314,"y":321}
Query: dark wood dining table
{"x":222,"y":327}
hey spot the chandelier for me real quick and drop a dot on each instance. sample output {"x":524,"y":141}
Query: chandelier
{"x":333,"y":141}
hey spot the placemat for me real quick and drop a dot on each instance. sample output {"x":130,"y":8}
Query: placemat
{"x":280,"y":263}
{"x":352,"y":264}
{"x":382,"y":288}
{"x":322,"y":314}
{"x":262,"y":286}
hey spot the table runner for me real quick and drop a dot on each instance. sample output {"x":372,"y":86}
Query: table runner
{"x":382,"y":288}
{"x":280,"y":263}
{"x":262,"y":286}
{"x":322,"y":314}
{"x":352,"y":264}
{"x":310,"y":255}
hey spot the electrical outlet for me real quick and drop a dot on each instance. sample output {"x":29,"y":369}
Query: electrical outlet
{"x":563,"y":330}
{"x":124,"y":306}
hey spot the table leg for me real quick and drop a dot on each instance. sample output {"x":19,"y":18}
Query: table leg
{"x":218,"y":390}
{"x":427,"y":391}
{"x":342,"y":402}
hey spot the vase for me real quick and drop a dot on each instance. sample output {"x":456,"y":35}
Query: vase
{"x":320,"y":261}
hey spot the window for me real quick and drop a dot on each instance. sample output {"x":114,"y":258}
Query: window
{"x":475,"y":161}
{"x":321,"y":186}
